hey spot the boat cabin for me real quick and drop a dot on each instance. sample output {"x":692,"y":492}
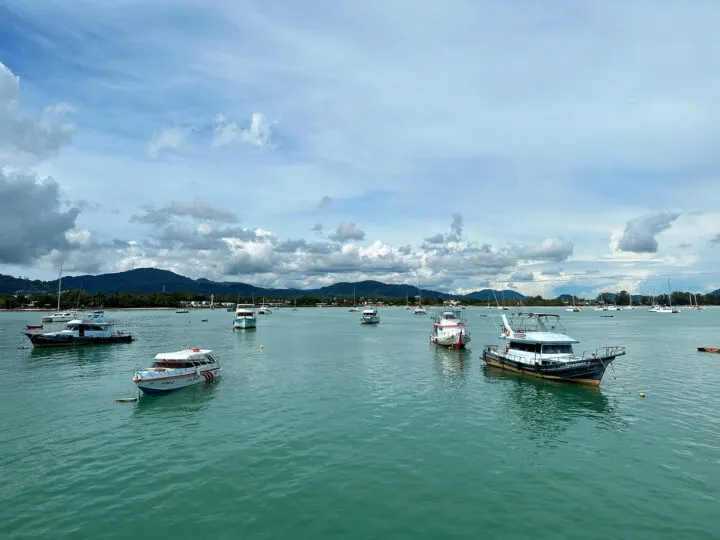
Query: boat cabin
{"x":189,"y":358}
{"x":370,"y":312}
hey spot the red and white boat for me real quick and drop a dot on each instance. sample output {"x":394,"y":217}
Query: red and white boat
{"x":176,"y":370}
{"x":449,"y":330}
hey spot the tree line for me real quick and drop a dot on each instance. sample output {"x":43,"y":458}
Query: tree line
{"x":75,"y":299}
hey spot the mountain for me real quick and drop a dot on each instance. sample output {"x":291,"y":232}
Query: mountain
{"x":153,"y":280}
{"x":715,"y":293}
{"x":489,"y":294}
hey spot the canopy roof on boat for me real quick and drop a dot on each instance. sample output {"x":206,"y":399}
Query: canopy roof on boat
{"x":187,"y":354}
{"x":369,"y":311}
{"x":540,"y":337}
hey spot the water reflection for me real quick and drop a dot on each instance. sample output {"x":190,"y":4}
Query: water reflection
{"x":546,"y":409}
{"x":176,"y":405}
{"x":78,"y":355}
{"x":451,"y":363}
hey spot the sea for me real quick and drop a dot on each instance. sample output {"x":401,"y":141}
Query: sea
{"x":320,"y":428}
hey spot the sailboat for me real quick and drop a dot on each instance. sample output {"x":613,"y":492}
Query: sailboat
{"x":419,"y":310}
{"x":294,"y":304}
{"x":354,"y":306}
{"x":60,"y":316}
{"x":264,"y":309}
{"x":407,"y":301}
{"x":212,"y":301}
{"x":573,"y":308}
{"x":668,"y":308}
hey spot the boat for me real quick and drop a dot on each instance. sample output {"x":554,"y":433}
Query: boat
{"x":535,"y":344}
{"x":60,"y":316}
{"x":94,"y":330}
{"x":294,"y":308}
{"x":709,"y":349}
{"x":407,"y":301}
{"x":449,"y":330}
{"x":370,"y":316}
{"x":264,"y":309}
{"x":34,"y":326}
{"x":176,"y":370}
{"x":244,"y":317}
{"x":573,"y":308}
{"x":183,"y":311}
{"x":419,"y":309}
{"x":354,"y":307}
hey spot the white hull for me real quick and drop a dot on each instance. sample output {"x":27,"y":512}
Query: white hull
{"x":370,"y":320}
{"x":457,"y":339}
{"x":173,"y":379}
{"x":244,"y":323}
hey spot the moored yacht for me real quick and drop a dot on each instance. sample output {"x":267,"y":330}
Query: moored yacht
{"x":60,"y":316}
{"x":94,"y":330}
{"x":244,"y":317}
{"x":419,"y":310}
{"x":176,"y":370}
{"x":370,"y":316}
{"x":449,"y":330}
{"x":535,"y":344}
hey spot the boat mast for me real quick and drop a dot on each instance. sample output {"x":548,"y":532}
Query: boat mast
{"x":59,"y":284}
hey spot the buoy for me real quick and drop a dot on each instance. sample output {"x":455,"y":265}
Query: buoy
{"x":262,"y":346}
{"x":642,"y":394}
{"x":126,"y":400}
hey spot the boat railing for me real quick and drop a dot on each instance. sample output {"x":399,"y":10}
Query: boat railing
{"x":601,"y":352}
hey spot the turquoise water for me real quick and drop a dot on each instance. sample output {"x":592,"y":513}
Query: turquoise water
{"x":337,"y":430}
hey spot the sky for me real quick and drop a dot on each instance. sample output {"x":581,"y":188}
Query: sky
{"x":564,"y":147}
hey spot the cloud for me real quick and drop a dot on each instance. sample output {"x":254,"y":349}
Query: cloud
{"x":24,"y":139}
{"x":436,"y":239}
{"x":31,"y":221}
{"x":317,"y":228}
{"x":456,"y":228}
{"x":551,"y":249}
{"x":197,"y":210}
{"x":639,"y":235}
{"x":715,"y":240}
{"x":346,"y":232}
{"x":258,"y":134}
{"x":171,"y":138}
{"x":522,"y":276}
{"x":325,"y":203}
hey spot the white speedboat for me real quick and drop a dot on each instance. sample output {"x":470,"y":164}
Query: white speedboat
{"x":94,"y":330}
{"x":370,"y":316}
{"x":60,"y":316}
{"x":264,"y":310}
{"x":419,"y":310}
{"x":183,"y":311}
{"x":449,"y":330}
{"x":176,"y":370}
{"x":244,"y":317}
{"x":535,"y":344}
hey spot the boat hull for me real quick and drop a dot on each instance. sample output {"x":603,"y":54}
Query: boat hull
{"x":586,"y":371}
{"x":370,"y":320}
{"x":456,"y":341}
{"x":159,"y":385}
{"x":715,"y":350}
{"x":244,"y":324}
{"x":40,"y":340}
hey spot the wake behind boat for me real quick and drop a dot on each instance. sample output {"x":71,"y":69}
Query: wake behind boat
{"x":94,"y":330}
{"x":176,"y":370}
{"x":449,"y":330}
{"x":536,"y":345}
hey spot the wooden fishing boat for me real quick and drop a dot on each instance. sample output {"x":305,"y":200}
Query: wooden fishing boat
{"x":709,"y":349}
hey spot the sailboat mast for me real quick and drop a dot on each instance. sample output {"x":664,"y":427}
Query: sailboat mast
{"x":59,"y":286}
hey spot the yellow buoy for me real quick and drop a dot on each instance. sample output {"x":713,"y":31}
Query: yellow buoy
{"x":642,"y":394}
{"x":262,"y":346}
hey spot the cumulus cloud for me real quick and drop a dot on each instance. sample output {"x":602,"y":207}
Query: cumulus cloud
{"x":23,"y":138}
{"x":226,"y":132}
{"x":639,"y":235}
{"x":197,"y":210}
{"x":522,"y":276}
{"x":317,"y":228}
{"x":346,"y":232}
{"x":168,"y":139}
{"x":551,"y":249}
{"x":436,"y":239}
{"x":456,"y":228}
{"x":715,"y":240}
{"x":31,"y":220}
